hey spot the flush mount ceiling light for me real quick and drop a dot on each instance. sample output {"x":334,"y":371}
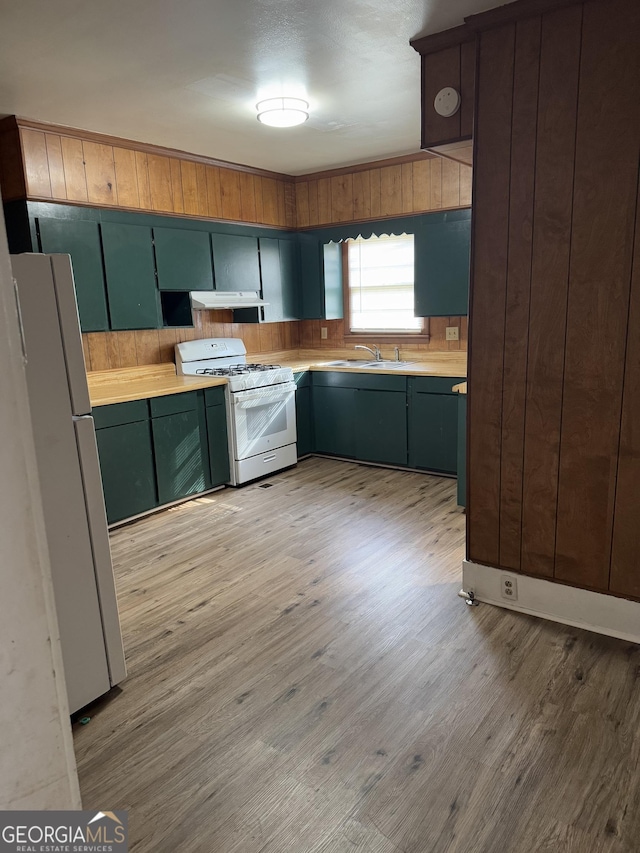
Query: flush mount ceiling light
{"x":282,"y":112}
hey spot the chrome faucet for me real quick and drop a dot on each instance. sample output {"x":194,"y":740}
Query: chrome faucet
{"x":375,"y":352}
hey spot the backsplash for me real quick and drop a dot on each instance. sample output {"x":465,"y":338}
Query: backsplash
{"x":110,"y":350}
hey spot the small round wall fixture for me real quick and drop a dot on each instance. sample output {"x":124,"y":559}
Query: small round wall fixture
{"x":447,"y":102}
{"x":282,"y":112}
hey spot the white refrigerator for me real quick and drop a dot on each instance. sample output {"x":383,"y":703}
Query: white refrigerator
{"x":69,"y":473}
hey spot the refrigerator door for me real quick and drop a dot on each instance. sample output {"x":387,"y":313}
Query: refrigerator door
{"x":61,"y":484}
{"x":99,"y":535}
{"x":71,"y":335}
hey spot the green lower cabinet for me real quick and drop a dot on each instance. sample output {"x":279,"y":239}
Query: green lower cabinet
{"x":128,"y":468}
{"x":433,"y":425}
{"x":462,"y":449}
{"x":304,"y":414}
{"x":179,"y":456}
{"x":335,"y":420}
{"x":381,"y":426}
{"x":217,"y":442}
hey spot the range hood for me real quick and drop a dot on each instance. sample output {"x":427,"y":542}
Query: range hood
{"x":202,"y":300}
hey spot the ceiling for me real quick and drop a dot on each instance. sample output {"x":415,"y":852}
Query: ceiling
{"x":186,"y":74}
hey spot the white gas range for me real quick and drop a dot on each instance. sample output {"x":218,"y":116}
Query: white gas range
{"x":261,"y":407}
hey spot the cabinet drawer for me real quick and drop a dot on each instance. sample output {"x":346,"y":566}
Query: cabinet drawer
{"x":214,"y":396}
{"x":120,"y":413}
{"x":433,"y":384}
{"x":173,"y":404}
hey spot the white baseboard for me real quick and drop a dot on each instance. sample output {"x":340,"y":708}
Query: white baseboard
{"x":593,"y":611}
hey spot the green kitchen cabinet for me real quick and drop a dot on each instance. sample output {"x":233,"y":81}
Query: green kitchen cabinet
{"x":130,"y":272}
{"x":125,"y":448}
{"x":320,"y":279}
{"x":334,"y":420}
{"x":442,"y":262}
{"x":279,"y":269}
{"x":304,"y":414}
{"x":183,"y":259}
{"x":462,"y":449}
{"x":381,"y":426}
{"x":216,"y":426}
{"x":433,"y":424}
{"x":81,"y":240}
{"x":236,"y":262}
{"x":180,"y":453}
{"x":361,"y":416}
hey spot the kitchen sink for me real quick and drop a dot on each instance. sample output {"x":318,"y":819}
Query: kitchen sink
{"x":353,"y":362}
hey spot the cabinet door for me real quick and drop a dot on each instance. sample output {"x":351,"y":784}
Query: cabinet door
{"x":131,"y":282}
{"x":433,"y":432}
{"x":462,"y":449}
{"x":304,"y":420}
{"x":278,"y":269}
{"x":183,"y":259}
{"x":332,"y":281}
{"x":127,"y":467}
{"x":218,"y":444}
{"x":335,"y":427}
{"x":442,"y":251}
{"x":235,"y":262}
{"x":81,"y":240}
{"x":311,"y":297}
{"x":178,"y":452}
{"x":271,"y":275}
{"x":381,"y":426}
{"x":290,"y":278}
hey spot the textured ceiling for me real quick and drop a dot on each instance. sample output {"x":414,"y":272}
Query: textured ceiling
{"x":187,"y":74}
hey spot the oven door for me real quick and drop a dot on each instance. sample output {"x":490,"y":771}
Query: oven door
{"x":263,"y":419}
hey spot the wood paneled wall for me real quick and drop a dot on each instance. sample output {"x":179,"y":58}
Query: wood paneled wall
{"x":310,"y":336}
{"x":373,"y":191}
{"x":554,"y":402}
{"x":92,"y":169}
{"x":110,"y":350}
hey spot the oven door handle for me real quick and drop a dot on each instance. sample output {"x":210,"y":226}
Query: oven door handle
{"x":263,"y":396}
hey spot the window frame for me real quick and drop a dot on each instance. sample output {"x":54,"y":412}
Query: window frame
{"x":374,"y":337}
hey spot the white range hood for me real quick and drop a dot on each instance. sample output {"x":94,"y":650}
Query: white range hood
{"x":203,"y":300}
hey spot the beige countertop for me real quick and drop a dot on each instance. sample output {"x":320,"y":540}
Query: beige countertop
{"x":137,"y":383}
{"x":157,"y":380}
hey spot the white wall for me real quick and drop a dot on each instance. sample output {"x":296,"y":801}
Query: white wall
{"x":37,"y":764}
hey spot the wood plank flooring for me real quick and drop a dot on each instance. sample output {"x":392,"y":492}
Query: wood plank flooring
{"x":304,"y":679}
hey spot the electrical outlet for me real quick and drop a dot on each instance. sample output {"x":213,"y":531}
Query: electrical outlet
{"x":452,"y":333}
{"x":323,"y":333}
{"x":509,"y":587}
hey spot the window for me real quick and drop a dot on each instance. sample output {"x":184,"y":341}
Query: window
{"x":380,"y":285}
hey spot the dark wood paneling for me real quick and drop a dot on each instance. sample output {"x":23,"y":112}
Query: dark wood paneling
{"x":467,"y":87}
{"x":555,"y":150}
{"x":601,"y":254}
{"x":523,"y":161}
{"x":625,"y":574}
{"x":439,"y":70}
{"x":488,"y":290}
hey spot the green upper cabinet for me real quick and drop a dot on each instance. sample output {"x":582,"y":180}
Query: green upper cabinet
{"x":183,"y":259}
{"x":442,"y":258}
{"x":236,"y":262}
{"x":320,"y":279}
{"x":130,"y":272}
{"x":279,"y":269}
{"x":81,"y":240}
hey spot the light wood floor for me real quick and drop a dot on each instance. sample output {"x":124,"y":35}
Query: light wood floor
{"x":304,"y":679}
